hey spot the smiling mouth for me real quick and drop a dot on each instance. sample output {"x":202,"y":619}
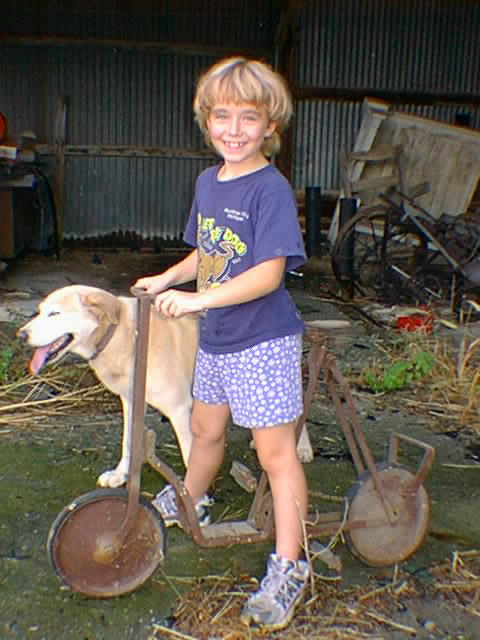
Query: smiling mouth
{"x":44,"y":354}
{"x":234,"y":145}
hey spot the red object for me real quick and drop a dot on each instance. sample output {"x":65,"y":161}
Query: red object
{"x":416,"y":322}
{"x":3,"y":126}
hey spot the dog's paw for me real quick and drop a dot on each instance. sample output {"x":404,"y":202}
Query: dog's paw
{"x":112,"y":479}
{"x":305,"y":454}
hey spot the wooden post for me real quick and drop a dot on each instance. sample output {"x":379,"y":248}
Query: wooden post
{"x":285,"y":59}
{"x":59,"y":162}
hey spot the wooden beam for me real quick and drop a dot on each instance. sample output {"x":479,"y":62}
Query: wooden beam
{"x":402,"y":97}
{"x":184,"y":48}
{"x":59,"y":163}
{"x":288,"y":21}
{"x":285,"y":61}
{"x":118,"y":151}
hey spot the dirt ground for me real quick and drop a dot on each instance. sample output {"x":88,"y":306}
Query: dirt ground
{"x":47,"y":461}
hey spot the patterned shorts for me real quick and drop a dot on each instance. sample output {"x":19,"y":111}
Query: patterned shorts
{"x":262,"y":384}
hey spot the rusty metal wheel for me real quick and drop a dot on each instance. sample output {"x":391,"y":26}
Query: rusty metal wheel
{"x":74,"y":536}
{"x":380,"y":543}
{"x":379,"y":254}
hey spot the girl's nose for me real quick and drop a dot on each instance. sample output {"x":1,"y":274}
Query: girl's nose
{"x":234,"y":127}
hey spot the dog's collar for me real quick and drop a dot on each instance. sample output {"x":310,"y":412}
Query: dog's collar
{"x":107,"y":336}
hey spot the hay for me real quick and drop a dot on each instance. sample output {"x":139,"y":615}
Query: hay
{"x":65,"y":390}
{"x":211,"y":609}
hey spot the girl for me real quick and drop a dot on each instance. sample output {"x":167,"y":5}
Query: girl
{"x":244,"y":227}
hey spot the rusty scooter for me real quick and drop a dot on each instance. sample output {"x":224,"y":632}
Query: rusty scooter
{"x":108,"y":542}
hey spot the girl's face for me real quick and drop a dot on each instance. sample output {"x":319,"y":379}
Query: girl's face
{"x":237,"y":132}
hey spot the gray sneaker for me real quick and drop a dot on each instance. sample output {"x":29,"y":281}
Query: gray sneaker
{"x":273,"y":605}
{"x":165,"y":502}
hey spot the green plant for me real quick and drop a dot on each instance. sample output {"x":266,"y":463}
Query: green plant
{"x":399,"y":374}
{"x":6,"y":355}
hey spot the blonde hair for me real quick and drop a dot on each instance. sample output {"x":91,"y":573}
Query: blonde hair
{"x":241,"y":80}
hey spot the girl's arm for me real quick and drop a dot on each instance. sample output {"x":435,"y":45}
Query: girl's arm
{"x":256,"y":282}
{"x":180,"y":273}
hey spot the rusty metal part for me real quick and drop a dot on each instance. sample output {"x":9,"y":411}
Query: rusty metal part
{"x":382,"y":542}
{"x":390,"y":260}
{"x":75,"y":536}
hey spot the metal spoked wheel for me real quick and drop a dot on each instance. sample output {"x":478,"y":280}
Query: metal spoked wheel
{"x":381,"y":543}
{"x":77,"y":530}
{"x":377,"y":254}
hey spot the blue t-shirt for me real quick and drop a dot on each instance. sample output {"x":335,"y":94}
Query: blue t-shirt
{"x":236,"y":225}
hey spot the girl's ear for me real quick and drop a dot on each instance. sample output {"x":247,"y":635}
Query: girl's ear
{"x":270,"y":129}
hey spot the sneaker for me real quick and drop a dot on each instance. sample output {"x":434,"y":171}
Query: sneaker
{"x":165,"y":502}
{"x":273,"y":605}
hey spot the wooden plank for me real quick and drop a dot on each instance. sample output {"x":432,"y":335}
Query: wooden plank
{"x":374,"y":114}
{"x":128,"y":151}
{"x":447,"y":157}
{"x":374,"y":183}
{"x":374,"y":155}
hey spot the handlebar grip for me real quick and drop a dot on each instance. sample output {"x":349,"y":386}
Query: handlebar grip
{"x":139,"y":293}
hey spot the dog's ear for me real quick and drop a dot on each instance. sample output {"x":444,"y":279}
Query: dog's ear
{"x":101,"y":304}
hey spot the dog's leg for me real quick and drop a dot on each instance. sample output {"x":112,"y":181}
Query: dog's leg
{"x":180,"y":421}
{"x":118,"y":476}
{"x":304,"y":446}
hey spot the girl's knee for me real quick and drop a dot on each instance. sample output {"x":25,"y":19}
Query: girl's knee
{"x":276,"y":461}
{"x":276,"y":449}
{"x":207,"y":432}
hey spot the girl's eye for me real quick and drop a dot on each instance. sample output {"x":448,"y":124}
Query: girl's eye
{"x":52,"y":313}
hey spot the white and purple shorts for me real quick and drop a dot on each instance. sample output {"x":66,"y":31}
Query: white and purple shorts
{"x":261,"y":384}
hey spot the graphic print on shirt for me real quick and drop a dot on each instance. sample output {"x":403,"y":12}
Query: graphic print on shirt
{"x":218,"y":248}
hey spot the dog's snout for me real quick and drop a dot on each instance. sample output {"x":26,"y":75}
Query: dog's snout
{"x":24,"y":332}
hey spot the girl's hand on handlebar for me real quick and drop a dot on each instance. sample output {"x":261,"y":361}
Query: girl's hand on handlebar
{"x":175,"y":303}
{"x":152,"y":284}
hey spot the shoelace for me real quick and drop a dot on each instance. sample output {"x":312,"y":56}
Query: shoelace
{"x":274,"y":578}
{"x":280,"y":585}
{"x":169,"y":503}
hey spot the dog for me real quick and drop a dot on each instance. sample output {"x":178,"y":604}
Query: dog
{"x":100,"y":327}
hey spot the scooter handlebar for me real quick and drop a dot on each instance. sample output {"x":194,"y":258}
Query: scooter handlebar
{"x":138,"y":292}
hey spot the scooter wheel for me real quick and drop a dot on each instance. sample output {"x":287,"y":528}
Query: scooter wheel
{"x":76,"y":533}
{"x":380,"y":543}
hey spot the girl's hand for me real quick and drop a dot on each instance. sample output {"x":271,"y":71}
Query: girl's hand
{"x":153,"y":284}
{"x":175,"y":303}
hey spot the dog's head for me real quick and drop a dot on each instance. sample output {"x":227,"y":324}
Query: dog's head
{"x":71,"y":319}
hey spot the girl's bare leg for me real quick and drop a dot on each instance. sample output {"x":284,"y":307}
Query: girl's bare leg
{"x":208,"y":425}
{"x":277,"y":453}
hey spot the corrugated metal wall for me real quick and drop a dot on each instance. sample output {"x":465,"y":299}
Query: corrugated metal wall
{"x":423,"y":45}
{"x":426,"y":46}
{"x":113,"y":98}
{"x":129,"y":95}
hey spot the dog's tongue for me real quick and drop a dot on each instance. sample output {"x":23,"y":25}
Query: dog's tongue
{"x":38,"y":359}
